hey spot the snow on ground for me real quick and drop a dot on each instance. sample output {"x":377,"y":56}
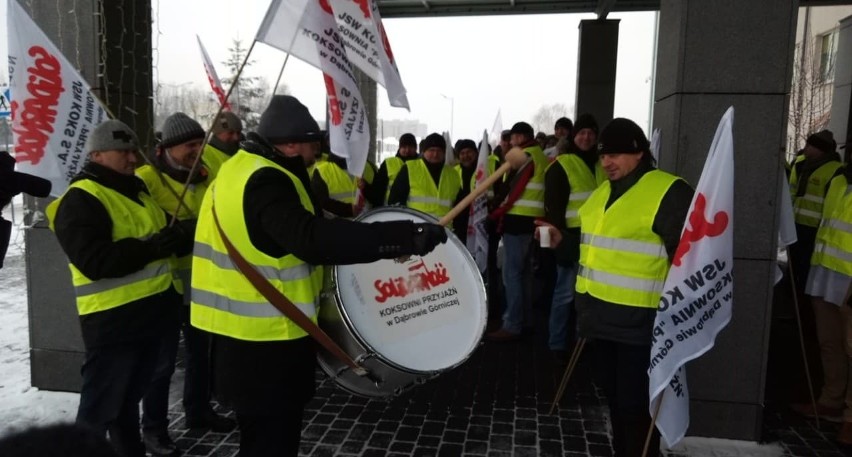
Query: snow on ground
{"x":21,"y":405}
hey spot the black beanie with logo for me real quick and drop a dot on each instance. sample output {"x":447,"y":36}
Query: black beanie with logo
{"x":622,"y":136}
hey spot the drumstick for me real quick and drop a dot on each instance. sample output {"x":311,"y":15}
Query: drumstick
{"x":515,"y":158}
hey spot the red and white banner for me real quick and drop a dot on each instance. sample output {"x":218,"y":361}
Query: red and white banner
{"x":213,"y":78}
{"x":360,"y":27}
{"x":477,"y":237}
{"x":307,"y":30}
{"x":697,"y":298}
{"x":53,"y":108}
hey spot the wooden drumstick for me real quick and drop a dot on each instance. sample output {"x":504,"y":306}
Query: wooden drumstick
{"x":515,"y":158}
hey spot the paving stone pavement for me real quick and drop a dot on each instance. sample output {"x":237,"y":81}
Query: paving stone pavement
{"x":496,"y":404}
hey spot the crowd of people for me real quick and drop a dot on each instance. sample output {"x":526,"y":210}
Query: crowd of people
{"x":164,"y":248}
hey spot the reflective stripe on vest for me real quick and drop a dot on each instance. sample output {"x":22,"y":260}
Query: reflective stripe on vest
{"x":833,"y":245}
{"x":341,"y":186}
{"x":223,"y":300}
{"x":807,"y":209}
{"x":424,"y":196}
{"x":531,"y":201}
{"x":581,"y":181}
{"x":622,"y":260}
{"x":129,"y":220}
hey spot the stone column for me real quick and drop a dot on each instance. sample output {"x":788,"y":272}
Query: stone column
{"x":114,"y":56}
{"x":711,"y":56}
{"x":596,"y":63}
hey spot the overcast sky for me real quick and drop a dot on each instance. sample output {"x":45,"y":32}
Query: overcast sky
{"x":470,"y":66}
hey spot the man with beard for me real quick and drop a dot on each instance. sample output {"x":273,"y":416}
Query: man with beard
{"x":468,"y":154}
{"x":380,"y":188}
{"x":176,"y":153}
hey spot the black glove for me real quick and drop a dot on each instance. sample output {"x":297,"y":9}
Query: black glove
{"x":426,"y":237}
{"x":168,"y":240}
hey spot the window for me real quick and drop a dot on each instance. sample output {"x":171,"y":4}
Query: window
{"x":827,"y":55}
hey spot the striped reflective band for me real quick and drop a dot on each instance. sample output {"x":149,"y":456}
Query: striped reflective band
{"x":845,"y":256}
{"x":571,"y":213}
{"x":807,"y":212}
{"x":578,"y":196}
{"x":627,"y":282}
{"x":244,"y":308}
{"x":428,"y":200}
{"x":618,"y":244}
{"x":529,"y":203}
{"x":813,"y":198}
{"x":222,"y":261}
{"x":838,"y":224}
{"x":152,"y":270}
{"x":341,"y":195}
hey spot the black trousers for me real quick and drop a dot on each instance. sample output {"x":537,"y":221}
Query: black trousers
{"x":622,"y":371}
{"x":267,"y":384}
{"x":114,"y":379}
{"x":196,"y":384}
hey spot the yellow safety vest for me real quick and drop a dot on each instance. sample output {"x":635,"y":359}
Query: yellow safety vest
{"x":129,"y":220}
{"x":393,"y":165}
{"x":369,"y":172}
{"x":424,"y":196}
{"x":213,"y":158}
{"x":458,"y":169}
{"x":582,"y":182}
{"x":341,"y":185}
{"x":833,"y":247}
{"x":493,"y":163}
{"x":622,"y":260}
{"x":531,"y":201}
{"x":168,"y":201}
{"x":807,"y":209}
{"x":223,"y":300}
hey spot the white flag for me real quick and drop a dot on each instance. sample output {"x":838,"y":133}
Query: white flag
{"x":696,"y":301}
{"x":786,"y":222}
{"x":367,"y":45}
{"x":307,"y":30}
{"x":212,"y":77}
{"x":53,"y":108}
{"x":655,"y":145}
{"x":449,"y":155}
{"x":477,"y":237}
{"x":496,"y":131}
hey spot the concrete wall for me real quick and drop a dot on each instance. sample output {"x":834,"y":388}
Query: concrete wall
{"x":709,"y":58}
{"x":841,"y":106}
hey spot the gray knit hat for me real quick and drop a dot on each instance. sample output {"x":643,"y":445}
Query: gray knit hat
{"x":112,"y":135}
{"x":286,"y":119}
{"x":227,"y":121}
{"x":180,"y":128}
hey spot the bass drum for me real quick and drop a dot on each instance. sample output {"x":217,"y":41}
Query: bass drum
{"x":404,"y":320}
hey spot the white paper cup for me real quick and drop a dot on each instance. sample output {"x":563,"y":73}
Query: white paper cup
{"x":544,"y":236}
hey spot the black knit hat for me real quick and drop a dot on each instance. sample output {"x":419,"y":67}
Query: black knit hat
{"x":524,"y":129}
{"x":112,"y":135}
{"x":465,"y":144}
{"x":287,"y":120}
{"x":823,"y":140}
{"x":433,"y":140}
{"x":565,"y":123}
{"x":586,"y":121}
{"x":407,"y":139}
{"x":622,"y":136}
{"x":178,"y":129}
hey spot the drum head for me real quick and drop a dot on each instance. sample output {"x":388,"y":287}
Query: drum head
{"x":422,"y":314}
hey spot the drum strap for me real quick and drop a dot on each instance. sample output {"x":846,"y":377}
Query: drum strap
{"x":284,"y":305}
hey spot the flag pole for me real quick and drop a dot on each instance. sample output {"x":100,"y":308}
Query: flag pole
{"x":210,"y":130}
{"x":802,"y":336}
{"x":572,"y":363}
{"x":292,"y":42}
{"x":653,"y":424}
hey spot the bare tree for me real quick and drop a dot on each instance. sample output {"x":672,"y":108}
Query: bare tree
{"x":812,"y":89}
{"x":546,"y":116}
{"x":197,"y":103}
{"x":251,"y":94}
